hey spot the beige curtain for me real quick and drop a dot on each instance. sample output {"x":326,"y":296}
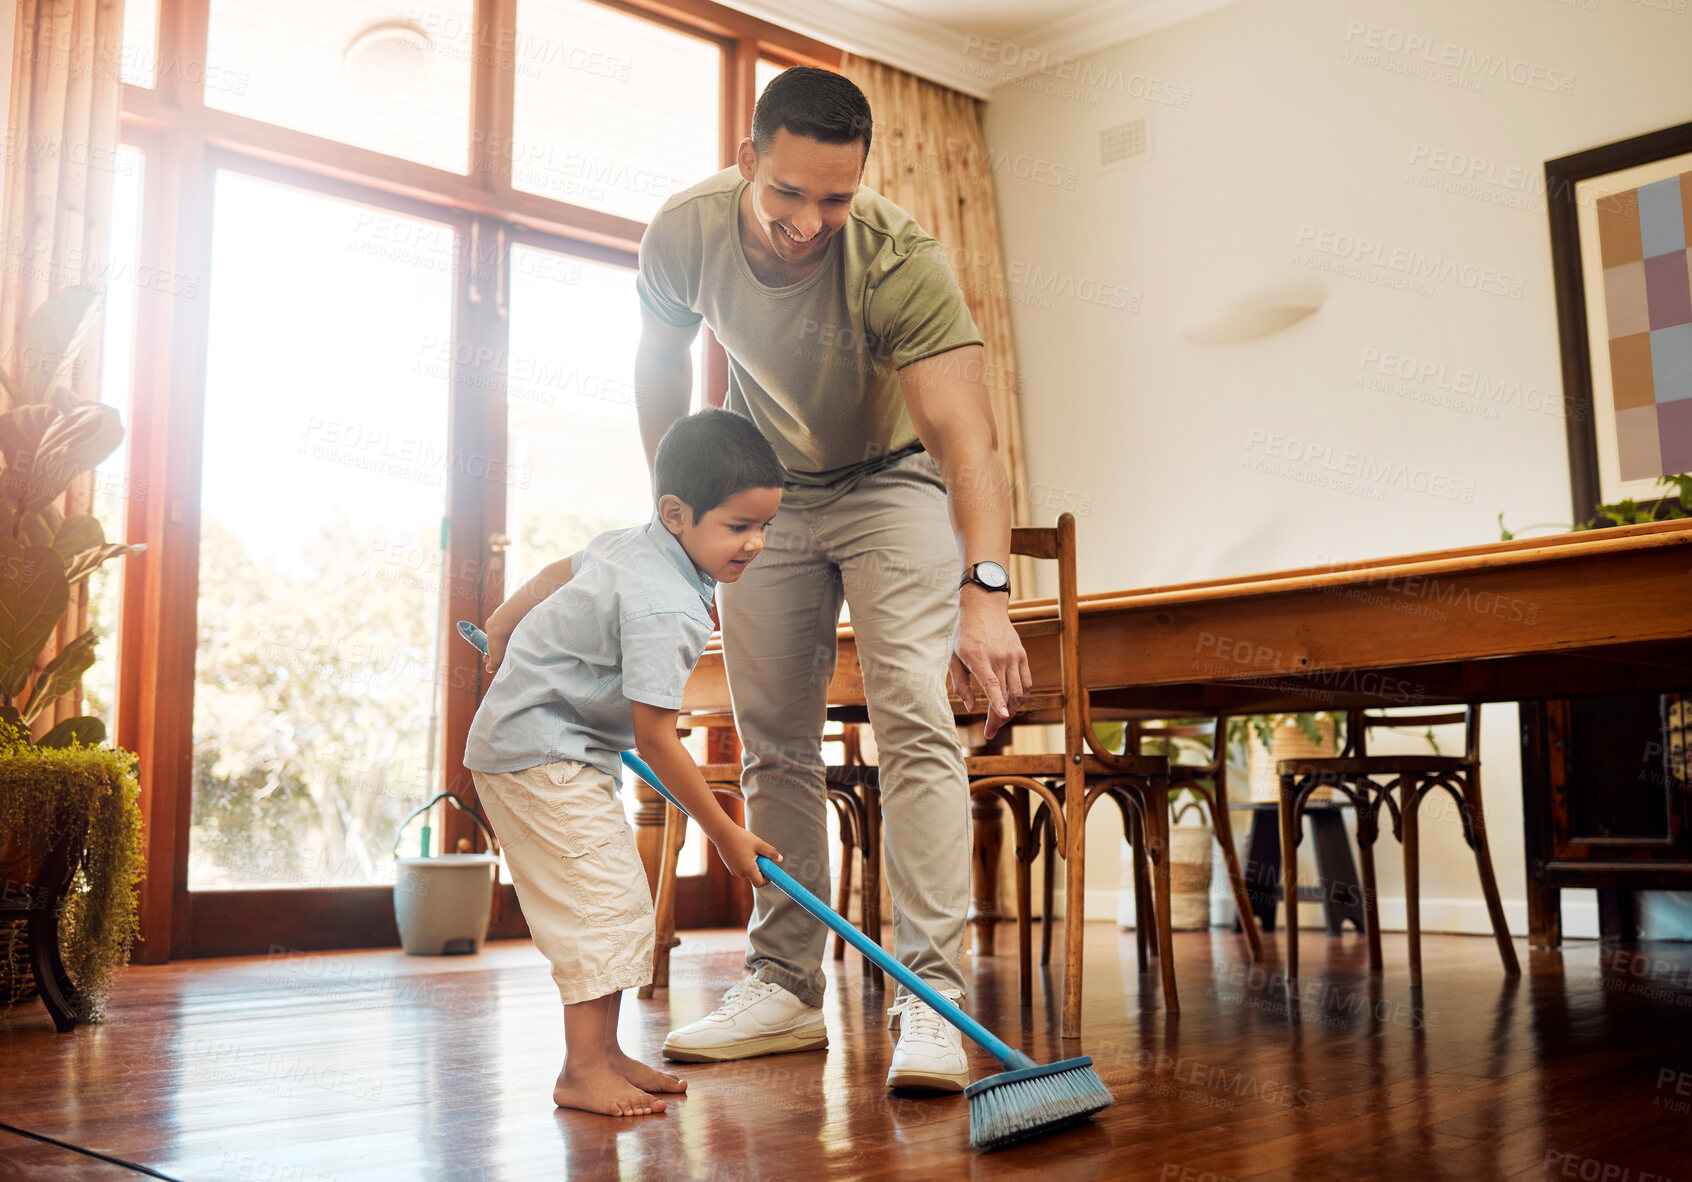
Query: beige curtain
{"x":66,"y":96}
{"x":928,"y":156}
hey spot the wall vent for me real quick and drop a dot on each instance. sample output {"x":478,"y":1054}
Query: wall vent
{"x":1125,"y":143}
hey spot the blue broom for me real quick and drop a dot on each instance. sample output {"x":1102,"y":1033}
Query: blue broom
{"x":1027,"y":1100}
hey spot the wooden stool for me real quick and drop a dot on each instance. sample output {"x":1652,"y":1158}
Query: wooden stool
{"x":1341,"y":896}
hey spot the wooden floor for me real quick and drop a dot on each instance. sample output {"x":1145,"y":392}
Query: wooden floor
{"x":373,"y":1065}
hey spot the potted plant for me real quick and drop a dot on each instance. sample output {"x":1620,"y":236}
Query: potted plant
{"x":1265,"y":739}
{"x":63,"y":794}
{"x":1190,"y":833}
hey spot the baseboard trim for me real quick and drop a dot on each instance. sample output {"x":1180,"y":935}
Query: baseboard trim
{"x":1458,"y":916}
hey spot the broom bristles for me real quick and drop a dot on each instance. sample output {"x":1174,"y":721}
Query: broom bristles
{"x":1018,"y":1105}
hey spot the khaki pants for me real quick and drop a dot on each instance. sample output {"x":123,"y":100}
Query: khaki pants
{"x":888,"y":549}
{"x":581,"y":883}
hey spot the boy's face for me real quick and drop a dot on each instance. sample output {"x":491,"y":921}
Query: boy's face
{"x":725,"y":540}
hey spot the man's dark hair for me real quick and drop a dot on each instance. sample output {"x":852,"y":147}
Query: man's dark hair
{"x":819,"y":104}
{"x":709,"y":456}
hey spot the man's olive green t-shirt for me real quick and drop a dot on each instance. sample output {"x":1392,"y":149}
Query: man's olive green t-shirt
{"x":814,"y":364}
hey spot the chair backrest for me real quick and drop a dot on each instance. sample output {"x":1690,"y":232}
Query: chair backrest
{"x":1358,"y":724}
{"x":1057,"y":543}
{"x":1209,"y":732}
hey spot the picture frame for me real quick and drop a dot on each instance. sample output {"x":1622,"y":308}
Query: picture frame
{"x":1623,"y":289}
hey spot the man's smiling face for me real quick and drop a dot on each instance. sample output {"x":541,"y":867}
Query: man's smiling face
{"x":801,"y":192}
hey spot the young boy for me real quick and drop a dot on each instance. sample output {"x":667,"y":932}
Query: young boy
{"x":594,"y":668}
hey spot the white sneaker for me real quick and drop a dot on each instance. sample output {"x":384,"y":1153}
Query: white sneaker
{"x":930,"y":1053}
{"x":756,"y":1018}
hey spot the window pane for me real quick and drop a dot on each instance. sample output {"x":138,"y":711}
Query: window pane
{"x":316,"y":697}
{"x":112,"y":490}
{"x":392,"y":79}
{"x":574,"y":442}
{"x":613,"y":112}
{"x":764,"y":71}
{"x":140,"y":42}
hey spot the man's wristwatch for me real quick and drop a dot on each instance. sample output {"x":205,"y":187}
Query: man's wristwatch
{"x":988,"y":575}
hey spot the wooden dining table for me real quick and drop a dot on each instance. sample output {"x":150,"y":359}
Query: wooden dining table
{"x":1600,"y":611}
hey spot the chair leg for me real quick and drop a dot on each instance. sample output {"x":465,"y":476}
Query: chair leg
{"x":1371,"y":896}
{"x":1074,"y":898}
{"x":664,"y":906}
{"x":1048,"y":865}
{"x":1158,"y":810}
{"x":1223,"y":828}
{"x":1145,"y":937}
{"x":1412,"y":887}
{"x":1489,"y":884}
{"x":1289,"y":873}
{"x":1024,"y":901}
{"x":871,"y":887}
{"x":843,"y":899}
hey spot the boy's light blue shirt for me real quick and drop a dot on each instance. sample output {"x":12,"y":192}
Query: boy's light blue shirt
{"x":629,"y":626}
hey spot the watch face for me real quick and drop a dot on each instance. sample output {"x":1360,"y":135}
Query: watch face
{"x":992,"y":574}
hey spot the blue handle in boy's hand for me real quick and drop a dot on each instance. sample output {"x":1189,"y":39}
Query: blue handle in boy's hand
{"x":474,"y":635}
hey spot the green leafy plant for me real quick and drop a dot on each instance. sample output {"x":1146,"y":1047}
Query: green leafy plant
{"x":1676,"y":504}
{"x":49,"y":438}
{"x":1112,"y":736}
{"x":1241,"y":727}
{"x":59,"y":785}
{"x":46,"y":795}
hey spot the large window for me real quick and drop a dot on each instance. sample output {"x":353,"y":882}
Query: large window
{"x":399,"y":379}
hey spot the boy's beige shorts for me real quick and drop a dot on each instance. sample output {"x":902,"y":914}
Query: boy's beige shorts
{"x":580,"y":882}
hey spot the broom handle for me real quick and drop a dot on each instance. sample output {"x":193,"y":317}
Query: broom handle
{"x":992,"y":1043}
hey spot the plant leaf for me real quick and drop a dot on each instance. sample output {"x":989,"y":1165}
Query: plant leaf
{"x":52,"y":338}
{"x":89,"y":561}
{"x":1504,"y":535}
{"x":46,"y":448}
{"x":76,"y":534}
{"x":21,"y":429}
{"x":61,"y":674}
{"x":84,"y":729}
{"x":33,"y":596}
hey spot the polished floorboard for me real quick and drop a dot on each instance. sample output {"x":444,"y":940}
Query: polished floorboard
{"x":334,"y":1067}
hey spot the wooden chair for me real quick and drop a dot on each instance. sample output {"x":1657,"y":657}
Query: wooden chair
{"x":1209,"y":782}
{"x":1069,"y":783}
{"x":1353,"y":774}
{"x":853,"y":790}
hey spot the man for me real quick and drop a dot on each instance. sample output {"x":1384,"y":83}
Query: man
{"x":851,"y":348}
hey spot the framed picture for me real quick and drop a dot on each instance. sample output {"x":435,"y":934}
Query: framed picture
{"x":1621,"y":226}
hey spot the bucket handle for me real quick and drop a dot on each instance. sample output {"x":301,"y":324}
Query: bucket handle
{"x":493,"y":842}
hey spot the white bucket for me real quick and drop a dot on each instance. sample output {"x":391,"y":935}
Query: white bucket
{"x":442,"y":905}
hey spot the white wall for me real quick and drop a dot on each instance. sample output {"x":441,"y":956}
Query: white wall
{"x":1284,"y":148}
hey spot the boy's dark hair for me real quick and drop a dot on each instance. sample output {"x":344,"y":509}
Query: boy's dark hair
{"x":819,"y":104}
{"x":712,"y":454}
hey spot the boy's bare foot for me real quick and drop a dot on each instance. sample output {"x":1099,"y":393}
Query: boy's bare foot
{"x":647,"y":1079}
{"x":602,"y":1089}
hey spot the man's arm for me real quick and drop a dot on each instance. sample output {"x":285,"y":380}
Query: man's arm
{"x":509,"y":614}
{"x":663,"y":377}
{"x":655,"y":735}
{"x":949,"y":407}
